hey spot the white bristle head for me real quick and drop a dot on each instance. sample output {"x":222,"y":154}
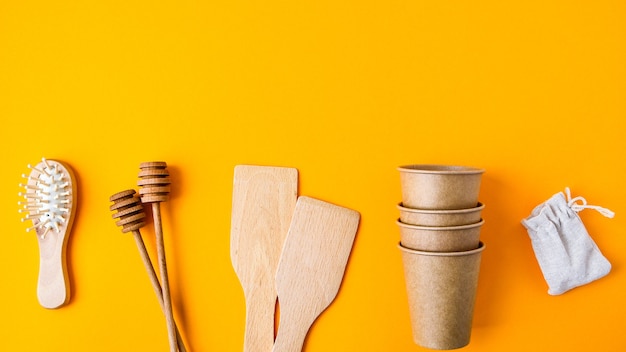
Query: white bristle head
{"x":48,"y":197}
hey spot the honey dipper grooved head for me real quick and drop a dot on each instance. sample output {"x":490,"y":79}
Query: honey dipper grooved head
{"x":154,"y":182}
{"x":129,"y":210}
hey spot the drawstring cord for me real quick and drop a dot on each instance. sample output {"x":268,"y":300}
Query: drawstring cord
{"x":579,"y":203}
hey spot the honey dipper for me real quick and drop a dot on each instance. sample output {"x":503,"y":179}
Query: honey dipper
{"x":131,"y":218}
{"x":154,"y":183}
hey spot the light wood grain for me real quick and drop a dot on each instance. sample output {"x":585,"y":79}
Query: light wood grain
{"x":311,"y":267}
{"x":264,"y":198}
{"x":53,"y":289}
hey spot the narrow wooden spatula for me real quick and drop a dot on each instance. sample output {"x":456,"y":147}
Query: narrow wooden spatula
{"x":264,"y":199}
{"x":311,"y":267}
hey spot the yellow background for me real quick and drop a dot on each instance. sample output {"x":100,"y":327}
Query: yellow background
{"x":344,"y":91}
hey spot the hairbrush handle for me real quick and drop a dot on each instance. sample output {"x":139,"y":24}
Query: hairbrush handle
{"x":52,"y":283}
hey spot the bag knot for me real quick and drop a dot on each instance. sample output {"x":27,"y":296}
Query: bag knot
{"x":579,"y":203}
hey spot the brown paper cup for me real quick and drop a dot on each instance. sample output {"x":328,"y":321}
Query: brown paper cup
{"x":452,"y":217}
{"x":441,"y":289}
{"x":440,"y":186}
{"x":440,"y":239}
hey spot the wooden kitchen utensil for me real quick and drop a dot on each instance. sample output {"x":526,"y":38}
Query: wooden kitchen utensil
{"x":263,"y":203}
{"x":311,"y":267}
{"x":154,"y":183}
{"x":132,"y":217}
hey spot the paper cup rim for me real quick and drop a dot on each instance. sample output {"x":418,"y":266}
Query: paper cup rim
{"x":440,"y":169}
{"x":441,"y":228}
{"x":481,"y":247}
{"x":479,"y":207}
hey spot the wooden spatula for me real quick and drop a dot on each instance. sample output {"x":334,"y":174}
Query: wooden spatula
{"x":311,"y":267}
{"x":264,"y":199}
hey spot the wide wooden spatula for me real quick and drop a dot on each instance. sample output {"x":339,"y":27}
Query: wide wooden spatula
{"x":311,"y":267}
{"x":264,"y":198}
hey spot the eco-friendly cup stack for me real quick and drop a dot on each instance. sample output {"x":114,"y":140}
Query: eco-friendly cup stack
{"x":440,"y":222}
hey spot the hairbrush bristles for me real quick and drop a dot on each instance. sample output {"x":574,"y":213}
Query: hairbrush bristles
{"x":154,"y":182}
{"x":48,"y":197}
{"x":129,"y":210}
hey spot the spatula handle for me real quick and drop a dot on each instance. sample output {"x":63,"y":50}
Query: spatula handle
{"x":260,"y":308}
{"x":291,"y":333}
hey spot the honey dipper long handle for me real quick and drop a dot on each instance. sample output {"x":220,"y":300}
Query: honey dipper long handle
{"x":155,"y":283}
{"x":165,"y":285}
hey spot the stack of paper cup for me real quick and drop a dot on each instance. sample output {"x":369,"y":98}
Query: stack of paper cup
{"x":440,"y":222}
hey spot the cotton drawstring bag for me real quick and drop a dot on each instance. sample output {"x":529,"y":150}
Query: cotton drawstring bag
{"x":566,"y":254}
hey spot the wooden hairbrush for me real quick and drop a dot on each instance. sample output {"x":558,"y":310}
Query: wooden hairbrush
{"x":129,"y":210}
{"x":50,"y":201}
{"x":154,"y":183}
